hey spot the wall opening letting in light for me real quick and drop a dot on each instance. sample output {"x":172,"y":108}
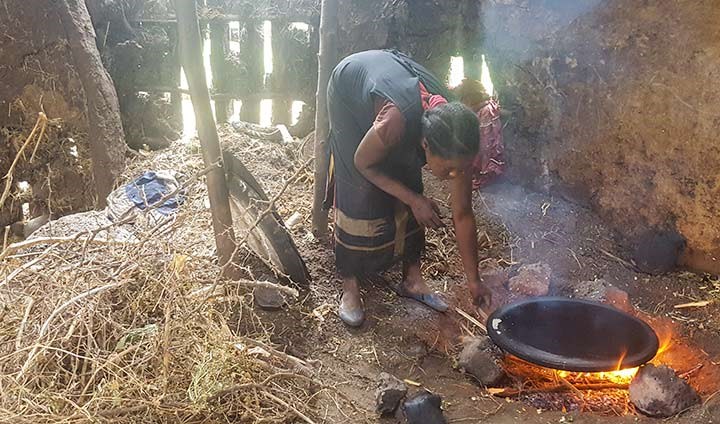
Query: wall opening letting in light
{"x":457,"y":71}
{"x":485,"y":78}
{"x":457,"y":74}
{"x":297,"y":107}
{"x":267,"y":47}
{"x":266,"y":112}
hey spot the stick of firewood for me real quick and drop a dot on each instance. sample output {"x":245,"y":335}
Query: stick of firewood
{"x":472,"y":319}
{"x":558,"y":388}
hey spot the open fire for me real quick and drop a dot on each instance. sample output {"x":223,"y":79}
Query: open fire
{"x":620,"y":376}
{"x":601,"y":392}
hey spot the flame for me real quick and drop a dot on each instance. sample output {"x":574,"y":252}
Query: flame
{"x":665,"y":341}
{"x":619,"y":367}
{"x":620,"y":376}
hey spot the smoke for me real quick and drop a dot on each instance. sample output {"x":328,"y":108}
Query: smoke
{"x":515,"y":27}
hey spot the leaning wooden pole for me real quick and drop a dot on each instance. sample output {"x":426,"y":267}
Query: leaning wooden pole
{"x":191,"y":59}
{"x":327,"y":58}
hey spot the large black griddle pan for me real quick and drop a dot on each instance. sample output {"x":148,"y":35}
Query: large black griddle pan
{"x":572,"y":335}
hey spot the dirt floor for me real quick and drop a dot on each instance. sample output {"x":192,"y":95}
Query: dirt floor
{"x":414,"y":343}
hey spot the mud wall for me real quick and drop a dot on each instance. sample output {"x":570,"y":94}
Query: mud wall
{"x":37,"y":74}
{"x":430,"y":31}
{"x":614,"y":104}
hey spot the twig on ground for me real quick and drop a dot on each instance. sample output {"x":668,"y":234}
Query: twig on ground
{"x":28,"y":306}
{"x":472,"y":319}
{"x":266,"y":284}
{"x":691,"y":371}
{"x":300,"y":365}
{"x":622,"y":261}
{"x":27,"y":265}
{"x":699,"y":304}
{"x":575,"y":256}
{"x":261,"y":385}
{"x":288,"y":406}
{"x":55,"y":241}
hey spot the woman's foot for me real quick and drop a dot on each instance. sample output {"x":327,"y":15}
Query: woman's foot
{"x":351,"y":310}
{"x":414,"y":287}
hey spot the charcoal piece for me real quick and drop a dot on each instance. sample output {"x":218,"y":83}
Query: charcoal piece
{"x":424,"y":408}
{"x":389,"y":393}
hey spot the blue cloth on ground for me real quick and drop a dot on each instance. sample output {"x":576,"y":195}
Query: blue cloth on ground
{"x":149,"y":189}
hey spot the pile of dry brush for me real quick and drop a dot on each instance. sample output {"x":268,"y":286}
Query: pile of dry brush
{"x":98,"y":325}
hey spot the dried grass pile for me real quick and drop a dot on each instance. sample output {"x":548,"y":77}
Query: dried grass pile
{"x":99,"y":328}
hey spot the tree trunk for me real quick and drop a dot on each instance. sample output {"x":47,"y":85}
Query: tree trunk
{"x":105,"y":131}
{"x":191,"y":59}
{"x":254,"y":60}
{"x":327,"y":59}
{"x":219,"y":39}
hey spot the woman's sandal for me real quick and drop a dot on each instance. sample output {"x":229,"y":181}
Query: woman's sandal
{"x":352,"y":317}
{"x":432,"y":300}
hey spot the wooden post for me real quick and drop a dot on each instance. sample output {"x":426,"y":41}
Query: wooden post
{"x":219,"y":40}
{"x":471,"y":39}
{"x":175,"y":94}
{"x":327,"y":59}
{"x":105,"y":131}
{"x":254,"y":60}
{"x":191,"y":58}
{"x":280,"y":75}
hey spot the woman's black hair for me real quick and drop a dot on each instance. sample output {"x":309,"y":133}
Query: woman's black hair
{"x":452,"y":131}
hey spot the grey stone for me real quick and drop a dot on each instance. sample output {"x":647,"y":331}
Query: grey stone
{"x":268,"y":298}
{"x":389,"y":393}
{"x":531,"y":280}
{"x":658,"y":251}
{"x":659,"y":392}
{"x":483,"y":360}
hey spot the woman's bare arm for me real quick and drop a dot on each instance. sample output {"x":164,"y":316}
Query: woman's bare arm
{"x":370,"y":153}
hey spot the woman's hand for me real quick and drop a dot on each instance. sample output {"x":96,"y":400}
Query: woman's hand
{"x":426,"y":211}
{"x":482,"y":296}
